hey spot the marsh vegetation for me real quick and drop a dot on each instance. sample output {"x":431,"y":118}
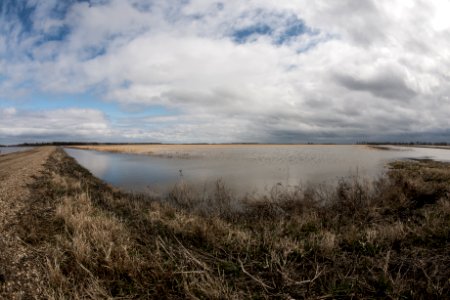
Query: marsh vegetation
{"x":383,"y":239}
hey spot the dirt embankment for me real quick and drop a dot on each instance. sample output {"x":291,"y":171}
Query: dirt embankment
{"x":19,"y":274}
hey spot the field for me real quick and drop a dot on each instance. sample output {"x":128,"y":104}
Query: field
{"x":68,"y":235}
{"x":162,"y":149}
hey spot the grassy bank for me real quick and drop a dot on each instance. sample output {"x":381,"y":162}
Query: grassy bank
{"x":387,"y":239}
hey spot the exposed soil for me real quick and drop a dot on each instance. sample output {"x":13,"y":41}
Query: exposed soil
{"x":20,"y":277}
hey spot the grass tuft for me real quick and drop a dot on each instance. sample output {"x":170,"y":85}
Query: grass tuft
{"x":382,"y":239}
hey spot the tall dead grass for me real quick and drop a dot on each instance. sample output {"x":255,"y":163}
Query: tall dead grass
{"x":386,"y":239}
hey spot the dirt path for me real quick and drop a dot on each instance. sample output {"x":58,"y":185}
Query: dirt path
{"x":19,"y":275}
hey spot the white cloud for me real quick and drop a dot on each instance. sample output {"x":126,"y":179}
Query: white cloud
{"x":70,"y":123}
{"x":362,"y":68}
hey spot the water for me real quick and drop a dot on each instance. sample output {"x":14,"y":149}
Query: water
{"x":252,"y":169}
{"x":6,"y":150}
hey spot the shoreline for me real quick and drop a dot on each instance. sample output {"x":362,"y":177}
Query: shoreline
{"x":167,"y":149}
{"x":85,"y":237}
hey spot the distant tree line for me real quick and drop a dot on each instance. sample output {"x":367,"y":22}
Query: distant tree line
{"x":405,"y":143}
{"x":59,"y":143}
{"x":77,"y":144}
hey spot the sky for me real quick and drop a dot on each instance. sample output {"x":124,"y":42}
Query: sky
{"x":194,"y":71}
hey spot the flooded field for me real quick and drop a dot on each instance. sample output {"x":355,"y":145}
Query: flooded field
{"x":6,"y":150}
{"x":244,"y":169}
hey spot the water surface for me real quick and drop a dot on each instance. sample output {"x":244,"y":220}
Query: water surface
{"x":6,"y":150}
{"x":252,"y":169}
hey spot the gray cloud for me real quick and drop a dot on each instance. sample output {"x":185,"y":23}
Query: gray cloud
{"x":384,"y":85}
{"x":352,"y":69}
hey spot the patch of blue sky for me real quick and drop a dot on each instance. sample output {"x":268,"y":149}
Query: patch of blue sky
{"x":92,"y":52}
{"x":26,"y":12}
{"x":12,"y":9}
{"x":59,"y":11}
{"x":147,"y":111}
{"x":143,"y":6}
{"x":21,"y":17}
{"x":24,"y":85}
{"x":58,"y":33}
{"x":282,"y":30}
{"x":40,"y":101}
{"x":243,"y":35}
{"x":293,"y":28}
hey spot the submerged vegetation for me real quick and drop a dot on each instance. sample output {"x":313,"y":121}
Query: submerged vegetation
{"x":384,"y":239}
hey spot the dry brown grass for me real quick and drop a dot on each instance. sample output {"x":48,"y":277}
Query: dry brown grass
{"x":388,"y":239}
{"x":185,"y":150}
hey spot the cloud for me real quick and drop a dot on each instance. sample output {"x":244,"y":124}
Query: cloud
{"x":60,"y":123}
{"x":384,"y":85}
{"x":238,"y":70}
